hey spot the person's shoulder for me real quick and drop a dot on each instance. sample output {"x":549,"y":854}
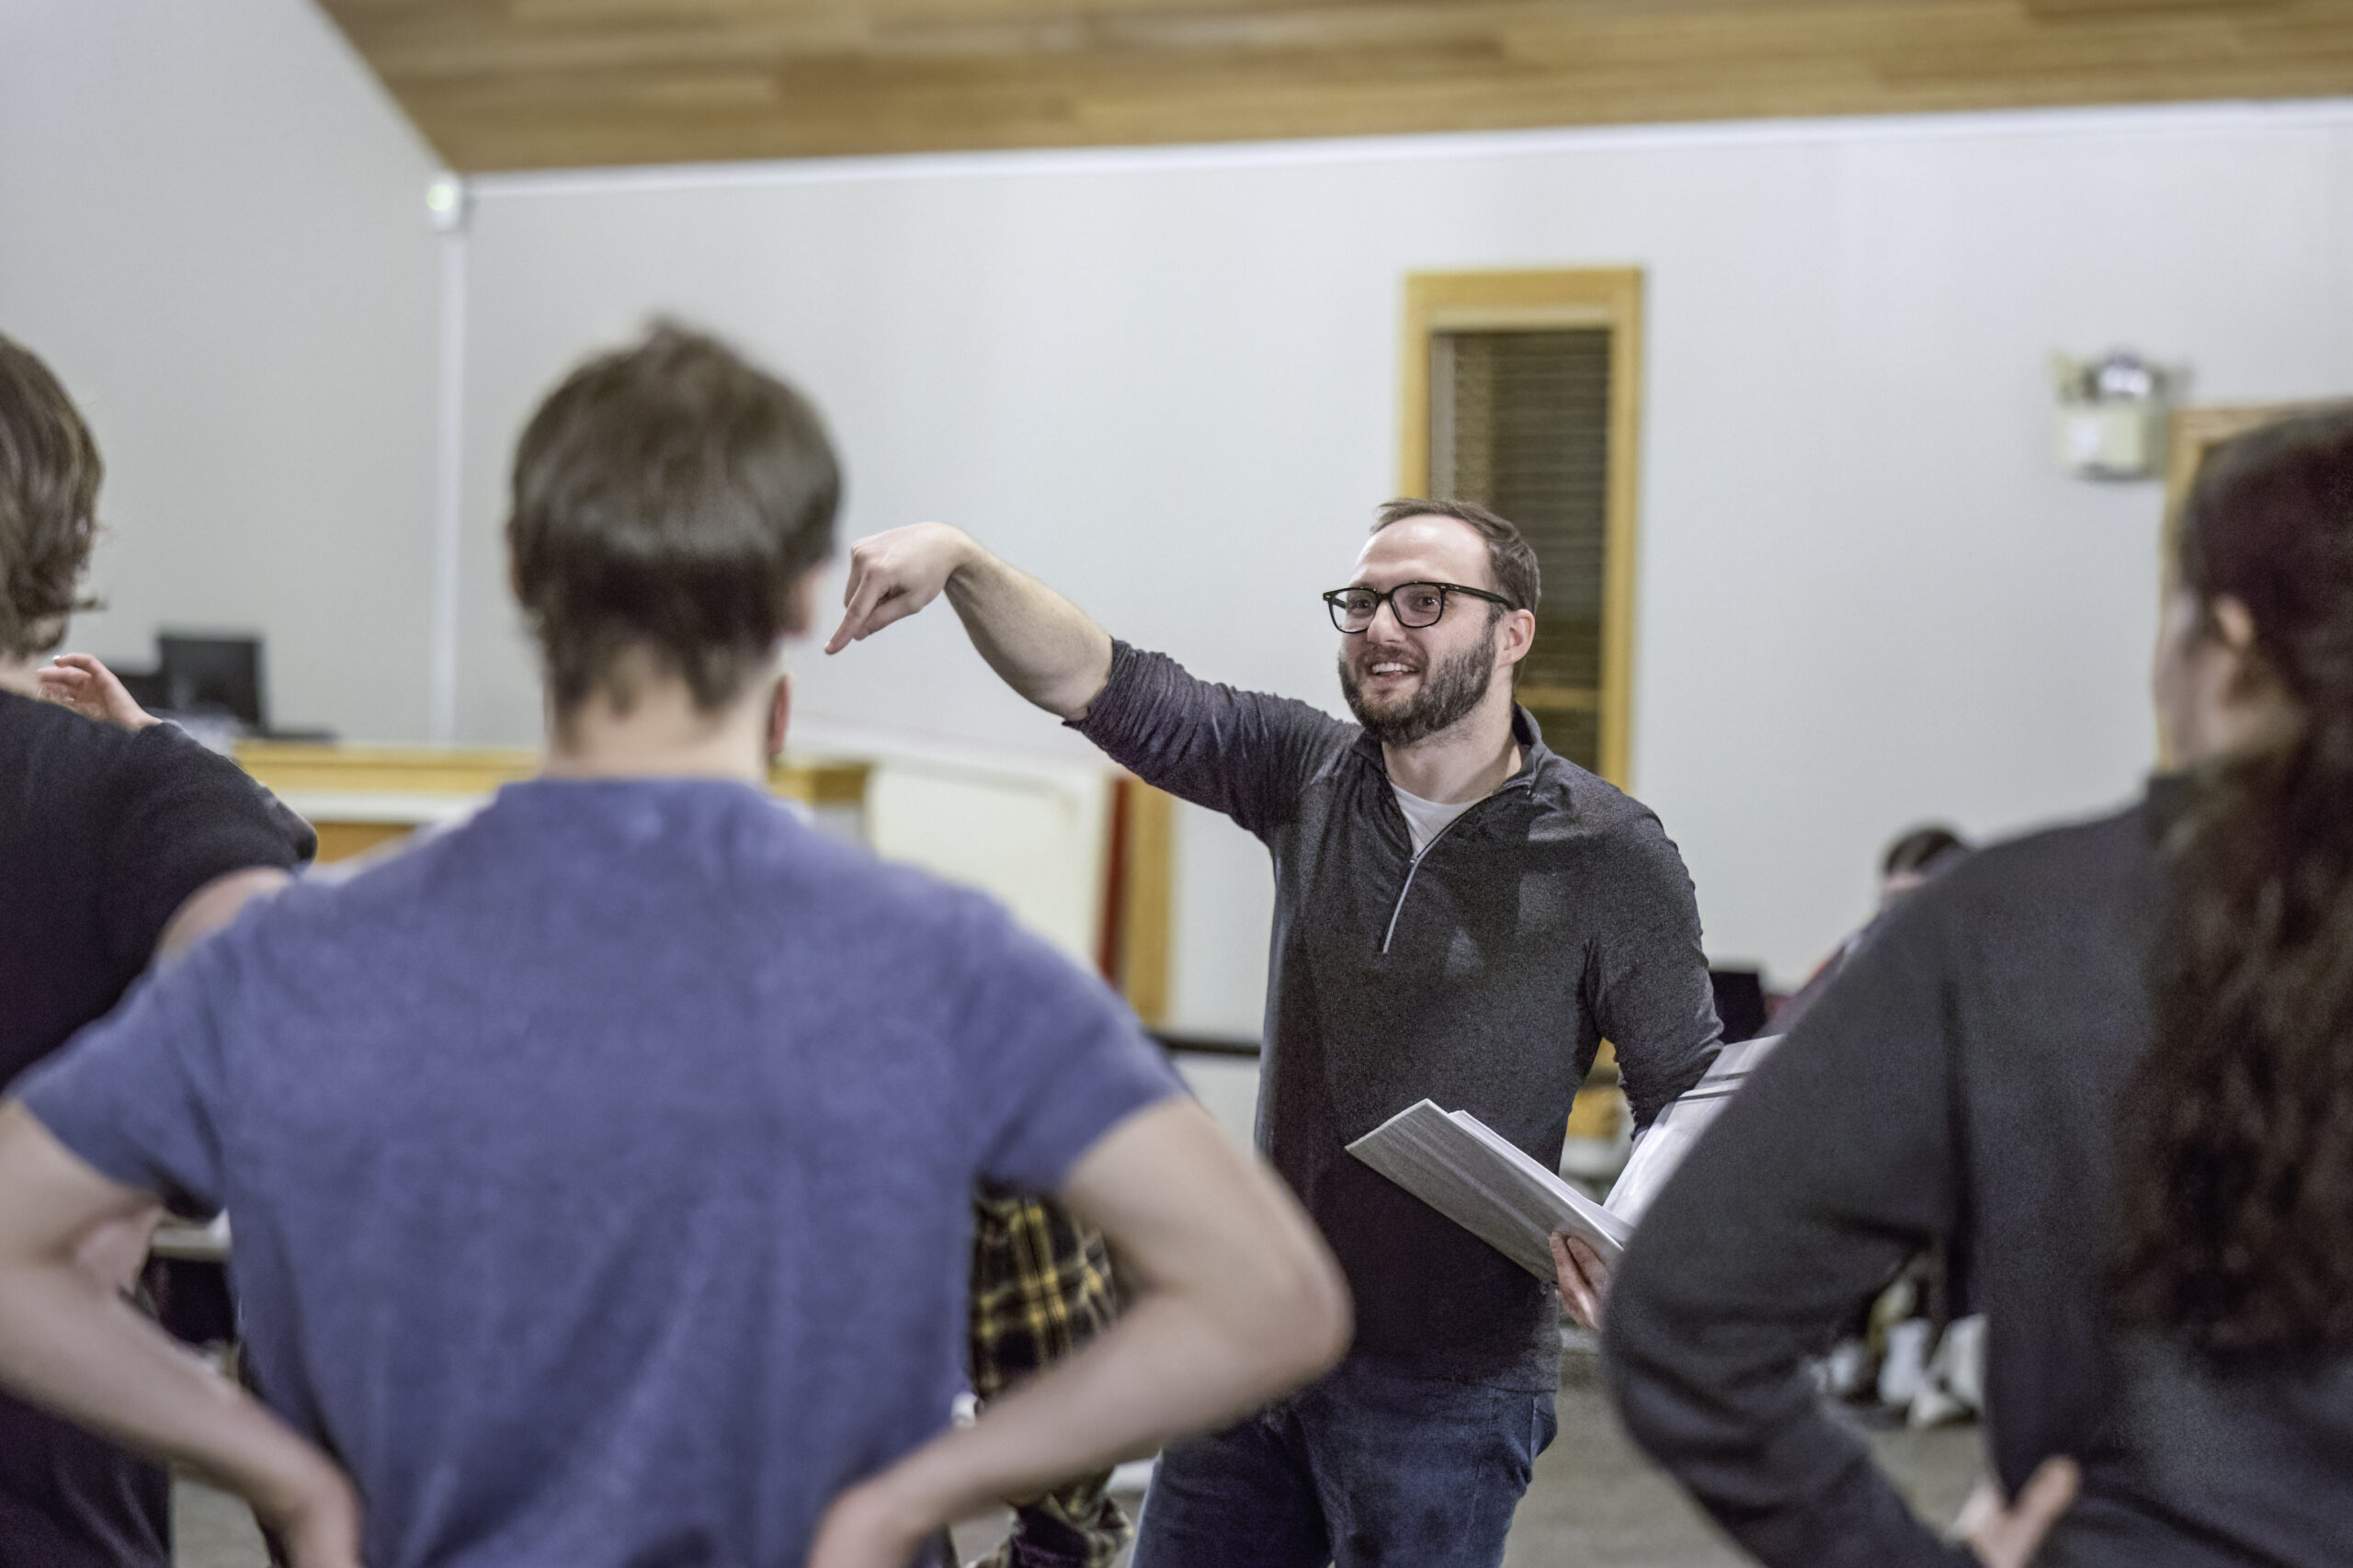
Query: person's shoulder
{"x":57,"y":741}
{"x":1574,"y":805}
{"x":2046,"y":889}
{"x":924,"y":943}
{"x":2068,"y":858}
{"x":62,"y":775}
{"x":395,"y":869}
{"x":165,"y":766}
{"x":897,"y":914}
{"x":365,"y":897}
{"x":166,"y":756}
{"x":907,"y":906}
{"x":774,"y":855}
{"x":98,"y":770}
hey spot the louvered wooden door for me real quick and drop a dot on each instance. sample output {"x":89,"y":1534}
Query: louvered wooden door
{"x":1520,"y":395}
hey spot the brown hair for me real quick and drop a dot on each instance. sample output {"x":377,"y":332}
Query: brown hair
{"x":1509,"y":559}
{"x":2235,"y":1185}
{"x":49,"y":496}
{"x":666,"y":499}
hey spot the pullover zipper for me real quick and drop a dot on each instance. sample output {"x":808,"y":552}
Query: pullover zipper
{"x":1414,"y":865}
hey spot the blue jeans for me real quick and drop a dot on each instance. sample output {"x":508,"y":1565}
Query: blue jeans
{"x":1366,"y":1468}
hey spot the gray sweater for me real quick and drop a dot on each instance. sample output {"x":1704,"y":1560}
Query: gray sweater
{"x":1959,"y":1080}
{"x":1483,"y":975}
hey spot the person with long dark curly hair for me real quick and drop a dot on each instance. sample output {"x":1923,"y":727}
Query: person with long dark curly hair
{"x":2238,"y":1207}
{"x":2116,"y":1062}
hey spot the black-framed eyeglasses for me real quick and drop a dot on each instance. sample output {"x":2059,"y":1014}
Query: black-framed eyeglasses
{"x":1416,"y":604}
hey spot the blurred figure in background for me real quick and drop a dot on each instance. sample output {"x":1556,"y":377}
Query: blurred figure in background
{"x":119,"y":843}
{"x":1907,"y":864}
{"x":1042,"y":1287}
{"x":2117,"y":1058}
{"x":1912,"y":859}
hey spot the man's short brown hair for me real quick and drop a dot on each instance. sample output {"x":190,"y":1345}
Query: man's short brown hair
{"x":666,"y":499}
{"x":49,"y":499}
{"x":1509,"y":557}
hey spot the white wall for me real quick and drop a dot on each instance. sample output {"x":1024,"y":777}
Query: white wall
{"x":1168,"y":382}
{"x":1034,"y":836}
{"x":211,"y":226}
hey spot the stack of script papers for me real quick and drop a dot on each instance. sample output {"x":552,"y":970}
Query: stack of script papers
{"x":1488,"y":1184}
{"x":1660,"y":1150}
{"x":1498,"y":1192}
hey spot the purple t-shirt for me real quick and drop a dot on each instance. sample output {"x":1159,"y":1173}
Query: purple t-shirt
{"x":601,"y":1171}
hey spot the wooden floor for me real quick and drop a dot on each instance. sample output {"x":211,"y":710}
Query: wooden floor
{"x":1596,"y":1502}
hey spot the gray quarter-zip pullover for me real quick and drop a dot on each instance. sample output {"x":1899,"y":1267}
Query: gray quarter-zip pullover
{"x":1483,"y":973}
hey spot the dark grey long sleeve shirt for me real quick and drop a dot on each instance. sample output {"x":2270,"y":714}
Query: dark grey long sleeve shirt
{"x":1483,"y":974}
{"x":1959,"y":1079}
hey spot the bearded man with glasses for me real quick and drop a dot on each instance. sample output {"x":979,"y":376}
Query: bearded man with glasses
{"x":1460,"y":914}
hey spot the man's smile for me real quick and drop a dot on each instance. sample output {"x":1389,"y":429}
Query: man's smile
{"x":1387,"y":672}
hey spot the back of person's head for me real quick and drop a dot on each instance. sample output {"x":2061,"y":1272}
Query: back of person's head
{"x":49,"y":498}
{"x":1922,"y":850}
{"x":2236,"y":1184}
{"x":669,"y":500}
{"x":1510,"y":560}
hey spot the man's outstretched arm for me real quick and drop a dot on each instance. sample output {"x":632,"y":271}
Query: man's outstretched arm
{"x":1042,"y":646}
{"x":1241,"y":753}
{"x":70,"y":1341}
{"x":1240,"y":1301}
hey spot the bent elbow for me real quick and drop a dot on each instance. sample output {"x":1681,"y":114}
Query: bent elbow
{"x":1071,"y":696}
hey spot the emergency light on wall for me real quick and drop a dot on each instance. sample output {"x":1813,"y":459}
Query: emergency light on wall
{"x":2112,"y":418}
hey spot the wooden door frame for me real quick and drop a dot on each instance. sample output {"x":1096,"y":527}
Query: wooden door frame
{"x":1534,"y":301}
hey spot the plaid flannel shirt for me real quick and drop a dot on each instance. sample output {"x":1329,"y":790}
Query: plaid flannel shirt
{"x":1043,"y":1286}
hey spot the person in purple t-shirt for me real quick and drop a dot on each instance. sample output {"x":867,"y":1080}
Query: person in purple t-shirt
{"x":601,"y":1169}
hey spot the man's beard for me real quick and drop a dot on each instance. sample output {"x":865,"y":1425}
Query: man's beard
{"x":1450,"y":689}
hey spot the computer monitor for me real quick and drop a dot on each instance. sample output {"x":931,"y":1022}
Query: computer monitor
{"x":1740,"y":1002}
{"x":217,"y":676}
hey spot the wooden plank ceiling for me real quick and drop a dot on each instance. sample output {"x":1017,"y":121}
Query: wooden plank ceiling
{"x":538,"y":84}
